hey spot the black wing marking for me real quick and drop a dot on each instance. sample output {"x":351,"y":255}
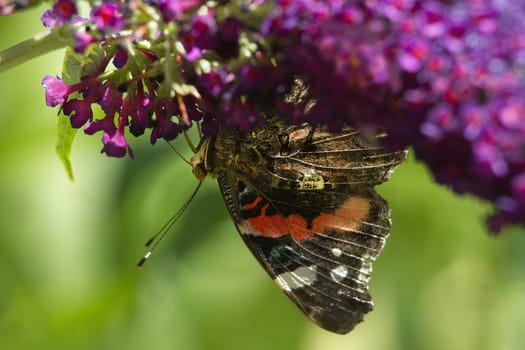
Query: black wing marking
{"x":327,"y":273}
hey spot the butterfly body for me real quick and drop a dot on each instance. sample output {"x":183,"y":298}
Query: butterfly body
{"x":303,"y":201}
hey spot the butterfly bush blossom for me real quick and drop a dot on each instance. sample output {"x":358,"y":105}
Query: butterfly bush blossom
{"x":443,"y":77}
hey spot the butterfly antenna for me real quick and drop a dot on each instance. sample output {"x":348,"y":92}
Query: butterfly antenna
{"x":179,"y":154}
{"x":199,"y":130}
{"x":185,"y":119}
{"x":154,"y":241}
{"x":188,"y":141}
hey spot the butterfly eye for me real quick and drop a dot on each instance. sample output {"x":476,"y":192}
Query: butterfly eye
{"x":199,"y":168}
{"x":199,"y":171}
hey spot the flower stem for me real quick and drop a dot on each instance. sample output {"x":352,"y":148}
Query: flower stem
{"x":36,"y":46}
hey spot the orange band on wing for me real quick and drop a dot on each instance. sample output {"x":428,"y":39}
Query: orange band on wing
{"x":252,"y":204}
{"x":348,"y":217}
{"x":268,"y":226}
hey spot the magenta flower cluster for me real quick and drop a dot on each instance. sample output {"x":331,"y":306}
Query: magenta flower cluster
{"x":444,"y":77}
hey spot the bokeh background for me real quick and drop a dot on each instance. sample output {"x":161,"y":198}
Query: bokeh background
{"x":68,"y":252}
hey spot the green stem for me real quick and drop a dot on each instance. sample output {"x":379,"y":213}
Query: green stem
{"x":36,"y":46}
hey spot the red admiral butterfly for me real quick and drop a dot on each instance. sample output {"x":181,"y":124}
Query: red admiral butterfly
{"x":304,"y":203}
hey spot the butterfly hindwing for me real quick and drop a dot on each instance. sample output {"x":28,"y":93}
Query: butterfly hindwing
{"x":315,"y":159}
{"x":317,"y":245}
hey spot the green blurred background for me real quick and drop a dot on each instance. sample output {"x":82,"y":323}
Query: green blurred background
{"x":68,"y":252}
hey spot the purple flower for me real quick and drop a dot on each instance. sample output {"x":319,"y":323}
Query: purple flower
{"x":215,"y":82}
{"x":48,"y":18}
{"x":56,"y":90}
{"x":79,"y":112}
{"x":110,"y":100}
{"x":518,"y":188}
{"x":106,"y":124}
{"x":489,"y":159}
{"x":227,"y":38}
{"x":115,"y":143}
{"x":200,"y":33}
{"x":165,"y":127}
{"x":62,"y":12}
{"x":412,"y":55}
{"x":121,"y":58}
{"x":174,"y":9}
{"x":140,"y":112}
{"x":253,"y":77}
{"x":82,"y":41}
{"x":237,"y":114}
{"x":108,"y":16}
{"x":7,"y":7}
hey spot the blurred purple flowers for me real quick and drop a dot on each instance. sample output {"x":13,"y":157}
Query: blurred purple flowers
{"x":62,"y":12}
{"x":444,"y":77}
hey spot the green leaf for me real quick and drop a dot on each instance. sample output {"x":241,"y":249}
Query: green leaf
{"x":92,"y":59}
{"x":77,"y":65}
{"x":74,"y":67}
{"x":65,"y":136}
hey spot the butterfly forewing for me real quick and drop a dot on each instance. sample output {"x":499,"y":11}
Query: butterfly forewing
{"x":320,"y":255}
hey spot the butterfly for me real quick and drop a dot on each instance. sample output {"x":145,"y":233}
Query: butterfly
{"x":303,"y":201}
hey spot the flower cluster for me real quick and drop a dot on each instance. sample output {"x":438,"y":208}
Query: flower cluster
{"x":444,"y":77}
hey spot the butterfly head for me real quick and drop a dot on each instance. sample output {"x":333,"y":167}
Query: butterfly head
{"x":199,"y":161}
{"x":216,"y":154}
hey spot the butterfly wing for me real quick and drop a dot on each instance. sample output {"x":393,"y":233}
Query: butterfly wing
{"x":317,"y":160}
{"x":303,"y":201}
{"x":317,"y":246}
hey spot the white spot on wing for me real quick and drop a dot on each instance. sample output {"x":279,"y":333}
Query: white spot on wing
{"x":339,"y":273}
{"x":364,"y":272}
{"x":298,"y":278}
{"x":337,"y":252}
{"x":281,"y":281}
